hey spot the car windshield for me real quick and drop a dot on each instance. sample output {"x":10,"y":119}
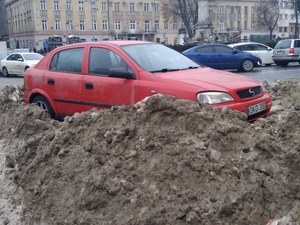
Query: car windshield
{"x":32,"y":56}
{"x":283,"y":44}
{"x":158,"y":58}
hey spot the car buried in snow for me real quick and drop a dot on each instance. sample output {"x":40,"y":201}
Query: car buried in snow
{"x":79,"y":77}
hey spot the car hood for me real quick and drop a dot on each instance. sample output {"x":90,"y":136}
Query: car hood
{"x":211,"y":79}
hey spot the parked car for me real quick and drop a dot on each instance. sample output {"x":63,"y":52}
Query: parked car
{"x":286,"y":51}
{"x":17,"y":63}
{"x":79,"y":77}
{"x":221,"y":56}
{"x":262,"y":51}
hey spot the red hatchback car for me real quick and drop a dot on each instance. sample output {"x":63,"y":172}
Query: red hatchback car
{"x":79,"y":77}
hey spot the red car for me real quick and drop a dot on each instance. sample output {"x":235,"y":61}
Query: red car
{"x":78,"y":77}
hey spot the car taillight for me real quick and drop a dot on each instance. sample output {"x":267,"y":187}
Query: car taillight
{"x":292,"y":50}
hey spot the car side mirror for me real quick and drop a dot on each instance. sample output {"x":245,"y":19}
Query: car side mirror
{"x":234,"y":51}
{"x":121,"y":72}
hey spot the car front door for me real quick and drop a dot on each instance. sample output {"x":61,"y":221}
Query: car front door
{"x":63,"y":81}
{"x":226,"y":57}
{"x":99,"y":89}
{"x":19,"y":67}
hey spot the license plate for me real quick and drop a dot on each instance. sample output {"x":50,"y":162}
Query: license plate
{"x":280,"y":52}
{"x":253,"y":109}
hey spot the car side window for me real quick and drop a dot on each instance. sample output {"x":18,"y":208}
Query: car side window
{"x":223,"y":49}
{"x":297,"y":44}
{"x":69,"y":60}
{"x":247,"y":47}
{"x":260,"y":48}
{"x":19,"y":57}
{"x":207,"y":49}
{"x":102,"y":60}
{"x":12,"y":57}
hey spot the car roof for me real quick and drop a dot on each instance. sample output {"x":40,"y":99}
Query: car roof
{"x":113,"y":42}
{"x":245,"y":43}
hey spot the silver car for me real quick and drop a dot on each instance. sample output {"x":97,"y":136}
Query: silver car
{"x":17,"y":63}
{"x":286,"y":51}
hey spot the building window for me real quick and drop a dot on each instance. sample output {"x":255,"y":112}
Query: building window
{"x":147,"y":26}
{"x":117,"y":25}
{"x":44,"y":25}
{"x":68,"y":5}
{"x":43,"y":5}
{"x":131,"y":7}
{"x":245,"y":24}
{"x":117,"y":6}
{"x":132,"y":24}
{"x":69,"y":25}
{"x":231,"y":9}
{"x":93,"y":6}
{"x":221,"y":26}
{"x":103,"y":6}
{"x":246,"y":10}
{"x":210,"y":9}
{"x":285,"y":29}
{"x":252,"y":10}
{"x":57,"y":25}
{"x":55,"y":5}
{"x":156,"y":25}
{"x":146,"y":7}
{"x":156,"y":7}
{"x":81,"y":24}
{"x":175,"y":27}
{"x":252,"y":24}
{"x":104,"y":25}
{"x":94,"y":25}
{"x":80,"y":6}
{"x":238,"y":9}
{"x":222,"y":9}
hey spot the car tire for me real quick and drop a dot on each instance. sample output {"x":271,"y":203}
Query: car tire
{"x":44,"y":104}
{"x":247,"y":65}
{"x":5,"y":72}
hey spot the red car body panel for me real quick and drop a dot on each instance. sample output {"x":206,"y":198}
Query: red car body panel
{"x":68,"y":94}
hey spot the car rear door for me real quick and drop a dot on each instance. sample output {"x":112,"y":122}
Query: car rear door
{"x":101,"y":91}
{"x":205,"y":55}
{"x":11,"y":63}
{"x":63,"y":81}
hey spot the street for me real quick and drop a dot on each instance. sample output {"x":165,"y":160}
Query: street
{"x":268,"y":74}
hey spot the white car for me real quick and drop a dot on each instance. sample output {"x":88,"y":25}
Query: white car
{"x":262,"y":51}
{"x":17,"y":63}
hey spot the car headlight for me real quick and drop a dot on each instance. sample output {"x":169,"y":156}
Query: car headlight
{"x":213,"y":97}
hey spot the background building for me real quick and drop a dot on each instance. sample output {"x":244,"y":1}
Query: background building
{"x":32,"y":22}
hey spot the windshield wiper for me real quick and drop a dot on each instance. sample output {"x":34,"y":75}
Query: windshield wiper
{"x":164,"y":70}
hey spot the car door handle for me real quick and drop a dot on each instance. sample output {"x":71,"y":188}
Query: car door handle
{"x":89,"y":85}
{"x":51,"y":81}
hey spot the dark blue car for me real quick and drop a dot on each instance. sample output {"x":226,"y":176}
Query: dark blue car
{"x":220,"y":56}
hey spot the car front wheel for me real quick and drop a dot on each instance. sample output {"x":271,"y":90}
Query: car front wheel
{"x":247,"y":65}
{"x":5,"y":72}
{"x":44,"y":104}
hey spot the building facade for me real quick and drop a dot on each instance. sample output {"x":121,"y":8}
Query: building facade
{"x":32,"y":22}
{"x":233,"y":20}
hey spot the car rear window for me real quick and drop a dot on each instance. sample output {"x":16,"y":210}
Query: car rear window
{"x":283,"y":44}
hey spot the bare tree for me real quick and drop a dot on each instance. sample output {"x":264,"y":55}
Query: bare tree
{"x":267,"y":16}
{"x":188,"y":12}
